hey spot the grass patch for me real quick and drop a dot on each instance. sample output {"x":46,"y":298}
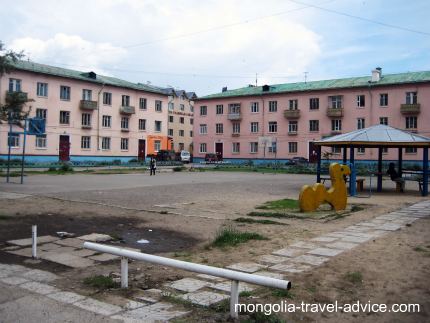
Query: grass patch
{"x":101,"y":282}
{"x":231,"y":237}
{"x":221,"y":307}
{"x":274,"y":215}
{"x":279,"y":204}
{"x":259,"y":317}
{"x":179,"y":168}
{"x":177,"y":300}
{"x":284,"y":293}
{"x":248,"y":220}
{"x":245,"y":293}
{"x":354,"y":277}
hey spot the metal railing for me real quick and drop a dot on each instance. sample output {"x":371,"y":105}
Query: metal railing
{"x":234,"y":276}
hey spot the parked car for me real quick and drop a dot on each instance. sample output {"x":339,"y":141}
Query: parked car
{"x":165,"y":155}
{"x":185,"y":156}
{"x":298,"y":161}
{"x":211,"y":158}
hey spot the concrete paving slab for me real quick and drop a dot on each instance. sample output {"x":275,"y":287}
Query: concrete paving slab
{"x":83,"y":252}
{"x":188,"y":284}
{"x":269,"y":274}
{"x":158,"y":312}
{"x":132,"y":305}
{"x":291,"y":267}
{"x":310,"y":259}
{"x":98,"y":307}
{"x":96,"y":237}
{"x":13,"y":268}
{"x":49,"y":246}
{"x":66,"y":297}
{"x":325,"y":252}
{"x":103,"y":257}
{"x":71,"y":242}
{"x":26,"y":252}
{"x":211,"y":278}
{"x":342,"y":245}
{"x":39,"y":288}
{"x":12,"y":196}
{"x":69,"y":260}
{"x":28,"y":242}
{"x":9,"y":294}
{"x":271,"y":259}
{"x":39,"y":275}
{"x":247,"y":267}
{"x":304,"y":245}
{"x":204,"y":298}
{"x":14,"y":280}
{"x":324,"y":239}
{"x":288,"y":252}
{"x":355,"y":239}
{"x":11,"y":248}
{"x":226,"y":287}
{"x":389,"y":227}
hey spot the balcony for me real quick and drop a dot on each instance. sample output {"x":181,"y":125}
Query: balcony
{"x":292,"y":133}
{"x":16,"y":96}
{"x":235,"y":134}
{"x":234,"y":116}
{"x":88,"y":105}
{"x":292,"y":114}
{"x":410,"y":108}
{"x":125,"y":130}
{"x":126,"y":110}
{"x":334,"y":112}
{"x":86,"y":126}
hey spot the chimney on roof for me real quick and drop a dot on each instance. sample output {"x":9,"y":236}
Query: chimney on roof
{"x":266,"y":88}
{"x":224,"y":89}
{"x":376,"y":74}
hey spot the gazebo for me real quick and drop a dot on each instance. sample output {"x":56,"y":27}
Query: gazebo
{"x":378,"y":136}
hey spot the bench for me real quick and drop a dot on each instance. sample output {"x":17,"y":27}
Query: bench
{"x":359,"y":182}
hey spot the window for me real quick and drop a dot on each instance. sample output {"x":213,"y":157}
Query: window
{"x":191,"y":121}
{"x":411,"y":98}
{"x":253,"y":147}
{"x":107,"y":98}
{"x":65,"y":93}
{"x":105,"y":143}
{"x":292,"y":127}
{"x":203,"y":148}
{"x":383,"y":120}
{"x":336,"y":125}
{"x":124,"y":143}
{"x":236,"y":127}
{"x":219,"y":128}
{"x":182,"y":108}
{"x":170,"y":118}
{"x":142,"y":103}
{"x":254,"y":107}
{"x":273,"y":106}
{"x":142,"y":124}
{"x":292,"y":147}
{"x":86,"y":119}
{"x":41,"y":113}
{"x":14,"y":140}
{"x":86,"y":95}
{"x":42,"y":89}
{"x":157,"y":145}
{"x":335,"y":102}
{"x":361,"y":150}
{"x":181,"y":120}
{"x":170,"y":132}
{"x":383,"y":99}
{"x":191,"y":133}
{"x":361,"y":101}
{"x":411,"y":123}
{"x":158,"y":106}
{"x":64,"y":117}
{"x":157,"y":126}
{"x":273,"y":147}
{"x":293,"y":104}
{"x":124,"y":123}
{"x":181,"y":133}
{"x":254,"y":127}
{"x":314,"y":103}
{"x":41,"y":141}
{"x":14,"y":85}
{"x":203,"y":129}
{"x":125,"y":101}
{"x":191,"y":108}
{"x":203,"y":110}
{"x":361,"y":123}
{"x":234,"y":108}
{"x":219,"y":109}
{"x":314,"y":125}
{"x":384,"y":150}
{"x":236,"y":147}
{"x":85,"y":142}
{"x":106,"y":121}
{"x":411,"y":150}
{"x":171,"y":106}
{"x":273,"y":126}
{"x":335,"y":150}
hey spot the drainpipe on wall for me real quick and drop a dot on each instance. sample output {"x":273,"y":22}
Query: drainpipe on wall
{"x":98,"y":116}
{"x":371,"y":110}
{"x":262,"y":128}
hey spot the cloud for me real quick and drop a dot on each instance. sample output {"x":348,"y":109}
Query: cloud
{"x":70,"y":50}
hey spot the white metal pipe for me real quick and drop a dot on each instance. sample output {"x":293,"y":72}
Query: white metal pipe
{"x":203,"y":269}
{"x":124,"y":272}
{"x":34,"y":241}
{"x":234,"y":299}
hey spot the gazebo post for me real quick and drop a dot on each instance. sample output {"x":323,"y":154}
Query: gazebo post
{"x":318,"y":164}
{"x":379,"y":184}
{"x":352,"y":176}
{"x":425,"y":190}
{"x":400,"y":161}
{"x":345,"y":151}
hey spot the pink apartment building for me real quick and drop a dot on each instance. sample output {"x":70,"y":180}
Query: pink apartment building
{"x":278,"y":122}
{"x":88,"y":116}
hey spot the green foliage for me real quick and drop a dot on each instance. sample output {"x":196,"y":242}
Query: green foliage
{"x":231,"y":237}
{"x":279,"y":204}
{"x":259,"y":317}
{"x":101,"y":282}
{"x":283,"y":293}
{"x":354,"y":277}
{"x":178,"y":168}
{"x":66,"y":168}
{"x":274,"y":215}
{"x":248,"y":220}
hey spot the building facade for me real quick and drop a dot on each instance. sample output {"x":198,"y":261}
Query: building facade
{"x":180,"y":119}
{"x":88,"y":116}
{"x":279,"y":122}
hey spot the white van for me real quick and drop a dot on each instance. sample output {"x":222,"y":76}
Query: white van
{"x":185,"y":156}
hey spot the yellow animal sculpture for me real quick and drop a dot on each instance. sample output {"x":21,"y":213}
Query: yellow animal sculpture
{"x":311,"y":197}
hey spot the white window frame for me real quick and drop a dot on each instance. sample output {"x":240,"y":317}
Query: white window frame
{"x":157,"y":145}
{"x":106,"y":142}
{"x":383,"y":99}
{"x":14,"y":85}
{"x":158,"y":106}
{"x":106,"y":121}
{"x":125,"y":100}
{"x":124,"y":144}
{"x":87,"y":94}
{"x":107,"y":98}
{"x":203,"y":148}
{"x":65,"y":93}
{"x":41,"y":142}
{"x":361,"y":123}
{"x":383,"y":120}
{"x":219,"y":128}
{"x":314,"y":122}
{"x":254,"y":107}
{"x":86,"y":119}
{"x":42,"y":89}
{"x":361,"y":101}
{"x":253,"y":147}
{"x":41,"y":113}
{"x":336,"y":125}
{"x":219,"y":109}
{"x":125,"y":123}
{"x":235,"y":147}
{"x":142,"y":103}
{"x":203,"y":129}
{"x":85,"y":142}
{"x":314,"y":103}
{"x":273,"y":126}
{"x":142,"y":124}
{"x":411,"y":97}
{"x":158,"y":126}
{"x":203,"y":110}
{"x":293,"y":126}
{"x":293,"y":147}
{"x":411,"y":122}
{"x":64,"y":116}
{"x":236,"y":127}
{"x":254,"y":127}
{"x":293,"y":104}
{"x":336,"y":101}
{"x":273,"y":106}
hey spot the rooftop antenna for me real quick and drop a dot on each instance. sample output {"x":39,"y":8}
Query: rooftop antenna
{"x":306,"y":76}
{"x":256,"y":77}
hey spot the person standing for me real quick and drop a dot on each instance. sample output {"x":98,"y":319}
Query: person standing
{"x":152,"y":166}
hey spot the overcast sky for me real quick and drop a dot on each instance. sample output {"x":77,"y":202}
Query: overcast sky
{"x":202,"y":46}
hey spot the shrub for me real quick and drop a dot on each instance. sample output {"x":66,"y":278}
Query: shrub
{"x":231,"y":237}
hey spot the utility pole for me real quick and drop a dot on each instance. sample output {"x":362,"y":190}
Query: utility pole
{"x":306,"y":76}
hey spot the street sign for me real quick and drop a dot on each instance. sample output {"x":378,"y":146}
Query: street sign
{"x":36,"y":126}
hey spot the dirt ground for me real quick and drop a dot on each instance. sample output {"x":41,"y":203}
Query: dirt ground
{"x":392,"y":270}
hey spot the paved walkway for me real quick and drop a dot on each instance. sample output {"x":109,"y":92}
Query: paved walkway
{"x":204,"y":290}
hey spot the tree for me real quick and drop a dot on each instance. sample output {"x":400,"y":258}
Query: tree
{"x":13,"y":109}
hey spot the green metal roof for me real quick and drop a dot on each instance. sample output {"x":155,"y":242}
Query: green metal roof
{"x":351,"y":82}
{"x":83,"y":76}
